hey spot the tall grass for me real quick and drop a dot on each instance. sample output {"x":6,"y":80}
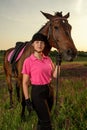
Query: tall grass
{"x":69,"y":114}
{"x":71,"y":110}
{"x":73,"y":105}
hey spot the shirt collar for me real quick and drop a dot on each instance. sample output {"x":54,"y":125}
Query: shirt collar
{"x":34,"y":58}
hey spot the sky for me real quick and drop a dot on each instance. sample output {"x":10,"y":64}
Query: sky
{"x":20,"y":19}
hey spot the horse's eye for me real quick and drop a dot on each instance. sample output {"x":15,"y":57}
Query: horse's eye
{"x":56,"y":28}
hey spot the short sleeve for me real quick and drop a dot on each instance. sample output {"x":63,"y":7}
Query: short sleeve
{"x":52,"y":64}
{"x":26,"y":67}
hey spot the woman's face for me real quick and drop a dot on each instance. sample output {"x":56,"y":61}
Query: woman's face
{"x":38,"y":46}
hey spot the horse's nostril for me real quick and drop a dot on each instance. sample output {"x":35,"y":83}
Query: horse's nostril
{"x":69,"y":52}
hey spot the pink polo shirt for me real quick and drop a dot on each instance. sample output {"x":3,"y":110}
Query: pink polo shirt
{"x":39,"y":71}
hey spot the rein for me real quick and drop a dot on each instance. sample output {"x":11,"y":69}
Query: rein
{"x":59,"y":62}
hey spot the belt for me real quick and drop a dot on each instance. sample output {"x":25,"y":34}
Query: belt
{"x":44,"y":85}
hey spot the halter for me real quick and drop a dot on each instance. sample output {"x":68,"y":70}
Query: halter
{"x":50,"y":32}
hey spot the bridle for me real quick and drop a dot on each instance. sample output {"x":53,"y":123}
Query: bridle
{"x":50,"y":32}
{"x":59,"y":64}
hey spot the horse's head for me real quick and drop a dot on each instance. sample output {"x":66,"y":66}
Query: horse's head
{"x":59,"y":35}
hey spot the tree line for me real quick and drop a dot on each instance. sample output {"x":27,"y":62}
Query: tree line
{"x":53,"y":53}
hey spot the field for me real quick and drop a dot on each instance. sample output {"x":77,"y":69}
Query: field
{"x":71,"y":110}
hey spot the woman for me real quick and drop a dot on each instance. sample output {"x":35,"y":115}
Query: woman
{"x":39,"y":69}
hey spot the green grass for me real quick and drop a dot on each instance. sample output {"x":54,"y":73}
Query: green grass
{"x":72,"y":106}
{"x":70,"y":112}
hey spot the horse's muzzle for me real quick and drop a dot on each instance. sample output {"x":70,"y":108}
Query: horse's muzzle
{"x":69,"y":55}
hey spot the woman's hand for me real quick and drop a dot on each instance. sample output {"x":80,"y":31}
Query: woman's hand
{"x":29,"y":105}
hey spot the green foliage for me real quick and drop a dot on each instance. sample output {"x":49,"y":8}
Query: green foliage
{"x":72,"y":106}
{"x":81,"y":55}
{"x":1,"y":57}
{"x":71,"y":110}
{"x":69,"y":114}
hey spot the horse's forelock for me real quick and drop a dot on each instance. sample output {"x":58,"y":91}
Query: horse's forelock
{"x":59,"y":14}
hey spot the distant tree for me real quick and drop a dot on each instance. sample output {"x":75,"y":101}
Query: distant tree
{"x":82,"y":53}
{"x":2,"y":52}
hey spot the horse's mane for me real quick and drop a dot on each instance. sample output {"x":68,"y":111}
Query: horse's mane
{"x":59,"y":14}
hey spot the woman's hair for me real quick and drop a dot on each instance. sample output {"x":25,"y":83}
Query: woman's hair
{"x":39,"y":37}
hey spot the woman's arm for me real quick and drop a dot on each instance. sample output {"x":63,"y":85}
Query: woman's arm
{"x":56,"y":70}
{"x":26,"y":92}
{"x":25,"y":86}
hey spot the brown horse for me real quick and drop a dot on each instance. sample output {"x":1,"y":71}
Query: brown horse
{"x":58,"y":32}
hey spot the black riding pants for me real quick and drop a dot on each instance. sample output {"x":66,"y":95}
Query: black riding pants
{"x":42,"y":100}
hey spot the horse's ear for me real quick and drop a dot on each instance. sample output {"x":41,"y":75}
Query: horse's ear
{"x":48,"y":16}
{"x":67,"y":15}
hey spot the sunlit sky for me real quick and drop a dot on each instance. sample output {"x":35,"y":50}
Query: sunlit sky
{"x":20,"y":19}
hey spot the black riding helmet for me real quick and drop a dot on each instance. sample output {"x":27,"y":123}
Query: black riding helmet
{"x":39,"y":37}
